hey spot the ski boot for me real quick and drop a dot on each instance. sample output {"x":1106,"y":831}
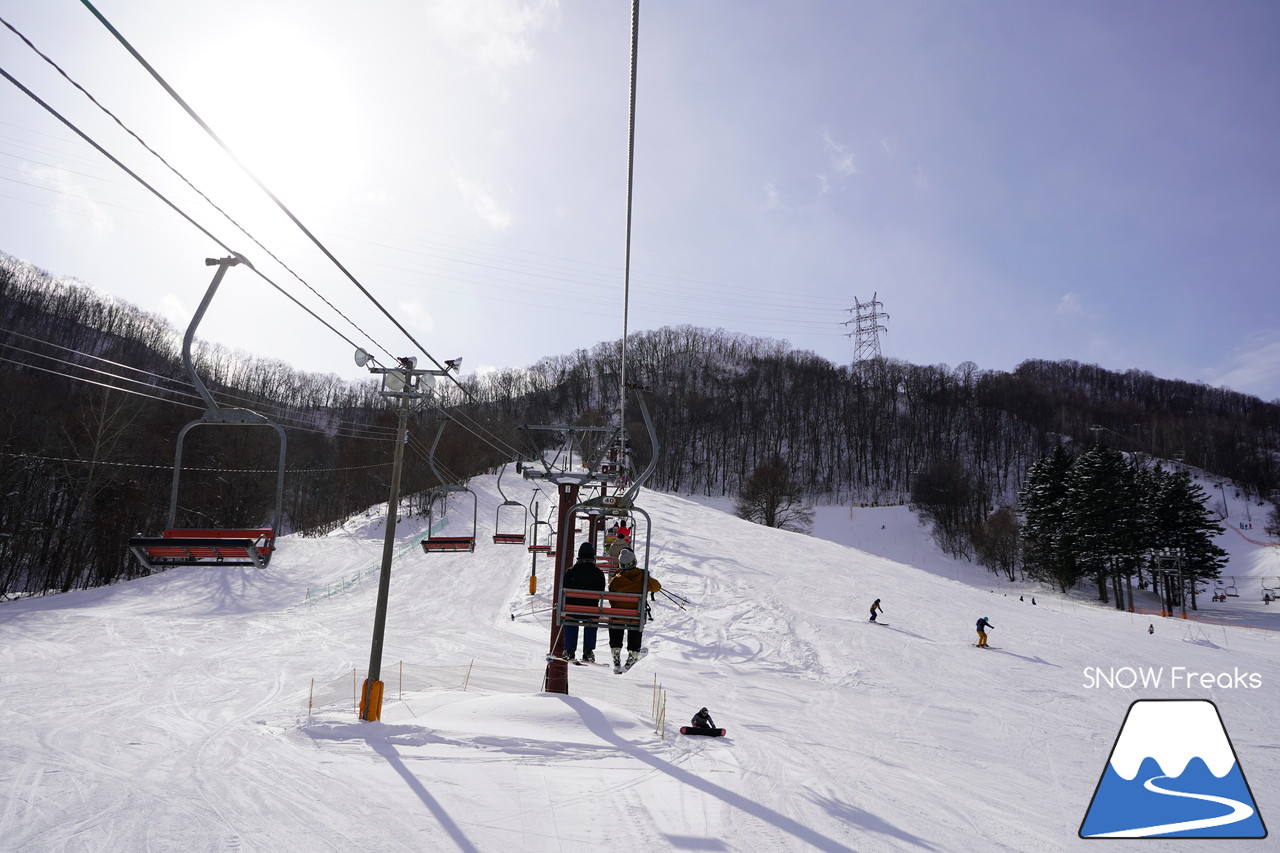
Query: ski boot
{"x":632,"y":657}
{"x":617,"y":660}
{"x":589,"y":655}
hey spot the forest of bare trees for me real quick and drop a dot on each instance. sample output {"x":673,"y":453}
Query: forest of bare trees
{"x":86,"y":462}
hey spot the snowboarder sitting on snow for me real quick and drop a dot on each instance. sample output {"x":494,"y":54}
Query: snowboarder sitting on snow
{"x":874,"y":607}
{"x":702,"y":720}
{"x":630,"y":578}
{"x":983,"y":625}
{"x":584,"y":574}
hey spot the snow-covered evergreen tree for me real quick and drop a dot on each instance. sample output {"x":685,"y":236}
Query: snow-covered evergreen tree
{"x":1101,"y":512}
{"x":1047,"y":553}
{"x":1181,"y":519}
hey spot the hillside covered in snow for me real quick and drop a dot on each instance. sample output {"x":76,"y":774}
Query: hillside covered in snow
{"x":213,"y":709}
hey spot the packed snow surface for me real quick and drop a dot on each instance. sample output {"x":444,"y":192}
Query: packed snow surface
{"x":172,"y":713}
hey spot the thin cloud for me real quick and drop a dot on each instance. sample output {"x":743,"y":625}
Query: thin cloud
{"x":482,"y":203}
{"x":842,"y":159}
{"x":1255,"y":367}
{"x":1069,"y":306}
{"x":497,"y":34}
{"x":417,"y":315}
{"x":77,"y":204}
{"x":771,"y":196}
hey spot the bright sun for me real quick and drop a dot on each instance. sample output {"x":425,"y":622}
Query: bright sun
{"x":281,"y":103}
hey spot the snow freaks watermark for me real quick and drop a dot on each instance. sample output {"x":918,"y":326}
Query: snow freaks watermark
{"x":1174,"y":677}
{"x":1172,"y":773}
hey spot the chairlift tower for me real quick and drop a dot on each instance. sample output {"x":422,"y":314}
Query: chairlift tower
{"x":866,"y":328}
{"x":406,"y":383}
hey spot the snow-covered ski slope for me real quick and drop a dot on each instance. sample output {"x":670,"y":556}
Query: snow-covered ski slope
{"x":170,"y":713}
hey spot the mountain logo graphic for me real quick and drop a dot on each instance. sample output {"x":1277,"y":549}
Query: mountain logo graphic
{"x":1173,"y":773}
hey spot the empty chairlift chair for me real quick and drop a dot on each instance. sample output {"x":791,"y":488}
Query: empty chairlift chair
{"x":182,"y":546}
{"x":433,"y":542}
{"x":509,"y":534}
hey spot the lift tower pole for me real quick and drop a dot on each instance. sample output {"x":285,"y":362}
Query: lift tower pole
{"x":404,"y":382}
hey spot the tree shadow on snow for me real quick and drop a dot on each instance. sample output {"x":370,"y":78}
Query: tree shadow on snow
{"x":596,"y":722}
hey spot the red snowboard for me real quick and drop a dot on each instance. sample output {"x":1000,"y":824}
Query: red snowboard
{"x":690,"y":730}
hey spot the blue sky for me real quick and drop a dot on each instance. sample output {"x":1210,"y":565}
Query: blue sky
{"x":1014,"y":180}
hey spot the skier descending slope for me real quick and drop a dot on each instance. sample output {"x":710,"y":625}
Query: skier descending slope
{"x":983,"y":625}
{"x":630,"y":578}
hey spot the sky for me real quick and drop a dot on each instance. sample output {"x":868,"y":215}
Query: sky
{"x":211,"y":709}
{"x":1011,"y":180}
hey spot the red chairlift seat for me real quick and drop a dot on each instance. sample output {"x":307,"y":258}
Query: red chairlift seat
{"x":179,"y":546}
{"x":196,"y":547}
{"x":448,"y":543}
{"x":611,"y":610}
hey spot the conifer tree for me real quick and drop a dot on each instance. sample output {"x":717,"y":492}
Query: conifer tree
{"x":1101,"y":497}
{"x":1047,"y":552}
{"x":1181,"y":519}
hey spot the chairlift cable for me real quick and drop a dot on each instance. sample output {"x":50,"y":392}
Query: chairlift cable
{"x":274,"y":198}
{"x":48,"y":108}
{"x":184,"y":179}
{"x":626,"y":274}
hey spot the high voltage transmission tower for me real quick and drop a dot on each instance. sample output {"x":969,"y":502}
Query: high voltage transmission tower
{"x":866,"y":328}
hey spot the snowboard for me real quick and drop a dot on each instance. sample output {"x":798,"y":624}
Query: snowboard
{"x":690,"y":730}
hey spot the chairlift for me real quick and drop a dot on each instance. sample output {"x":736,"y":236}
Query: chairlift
{"x":434,"y":543}
{"x":509,"y":536}
{"x":1231,"y":589}
{"x":545,"y":544}
{"x":207,"y":546}
{"x":607,"y":609}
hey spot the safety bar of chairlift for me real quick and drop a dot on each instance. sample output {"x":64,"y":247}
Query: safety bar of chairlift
{"x":624,"y":610}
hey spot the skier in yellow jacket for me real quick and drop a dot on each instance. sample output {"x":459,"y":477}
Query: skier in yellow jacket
{"x":630,"y":578}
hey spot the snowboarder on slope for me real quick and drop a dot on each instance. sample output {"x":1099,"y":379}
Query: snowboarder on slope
{"x":874,"y":607}
{"x":630,"y":578}
{"x":702,"y":720}
{"x":983,"y":625}
{"x":584,"y":574}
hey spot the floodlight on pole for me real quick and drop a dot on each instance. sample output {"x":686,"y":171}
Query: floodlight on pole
{"x":404,"y":382}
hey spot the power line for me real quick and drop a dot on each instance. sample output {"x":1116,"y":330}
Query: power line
{"x":184,"y":179}
{"x":383,"y":432}
{"x":164,"y":199}
{"x":280,"y":204}
{"x":186,"y":468}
